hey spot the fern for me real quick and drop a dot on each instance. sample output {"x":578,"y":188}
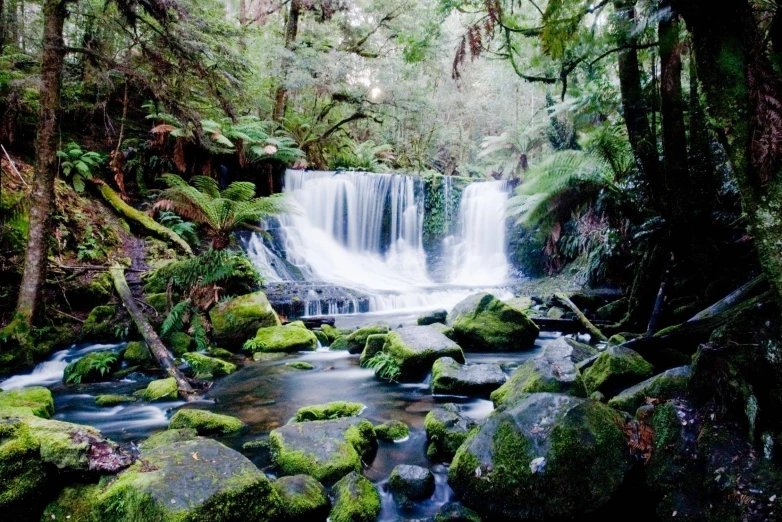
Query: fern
{"x":79,"y":165}
{"x":198,"y":325}
{"x":175,"y":321}
{"x":385,"y":366}
{"x":253,"y":345}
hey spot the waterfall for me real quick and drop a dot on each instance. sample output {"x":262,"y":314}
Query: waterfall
{"x":364,"y":231}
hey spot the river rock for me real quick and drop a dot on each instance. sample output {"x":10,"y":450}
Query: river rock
{"x":196,"y":480}
{"x":205,"y":366}
{"x":415,"y":348}
{"x":327,"y":450}
{"x":332,"y":333}
{"x":168,"y":436}
{"x":113,"y":400}
{"x":568,"y":456}
{"x":411,"y":482}
{"x":34,"y":400}
{"x":446,"y":430}
{"x":161,"y":390}
{"x":664,"y":386}
{"x":450,"y":377}
{"x":483,"y":323}
{"x":554,"y":371}
{"x":100,"y":323}
{"x":373,"y":346}
{"x":235,"y":320}
{"x":92,"y":367}
{"x":355,"y":500}
{"x":453,"y":512}
{"x":137,"y":354}
{"x":438,"y":316}
{"x":330,"y":410}
{"x":615,"y":369}
{"x":358,"y":339}
{"x":205,"y":422}
{"x":288,"y":338}
{"x":303,"y":498}
{"x":392,"y":431}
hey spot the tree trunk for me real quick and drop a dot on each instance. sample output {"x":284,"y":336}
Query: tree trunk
{"x":291,"y":30}
{"x":42,"y":197}
{"x":744,"y":105}
{"x":2,"y":26}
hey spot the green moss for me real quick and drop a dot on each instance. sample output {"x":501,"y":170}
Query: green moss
{"x":93,"y":367}
{"x":158,"y":301}
{"x":453,"y":512}
{"x":446,"y":431}
{"x":616,"y":340}
{"x":74,"y":504}
{"x":100,"y":324}
{"x":322,"y":338}
{"x":137,"y":354}
{"x":665,"y":386}
{"x":161,"y":390}
{"x":266,"y":357}
{"x":416,"y":348}
{"x":358,"y":339}
{"x":340,"y":343}
{"x":531,"y":377}
{"x":301,"y":365}
{"x":332,"y":333}
{"x":282,"y":339}
{"x":179,"y":343}
{"x":204,"y":365}
{"x":113,"y":400}
{"x":355,"y":500}
{"x":34,"y":400}
{"x":615,"y":369}
{"x":392,"y":431}
{"x":303,"y":498}
{"x":205,"y":422}
{"x":373,"y":346}
{"x":330,"y":410}
{"x":220,"y":353}
{"x":484,"y":323}
{"x":101,"y":288}
{"x":235,"y":320}
{"x":167,"y":437}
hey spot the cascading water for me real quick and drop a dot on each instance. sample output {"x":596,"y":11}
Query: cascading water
{"x":363,"y":231}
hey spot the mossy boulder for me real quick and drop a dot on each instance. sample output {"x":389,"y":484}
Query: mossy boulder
{"x":204,"y":365}
{"x":438,"y":316}
{"x":205,"y":422}
{"x":554,"y":370}
{"x":92,"y":367}
{"x":179,"y":343}
{"x":330,"y":410}
{"x":446,"y":430}
{"x":668,"y":385}
{"x":479,"y":380}
{"x":453,"y":512}
{"x":416,"y":348}
{"x":169,"y":436}
{"x":373,"y":346}
{"x":283,"y":339}
{"x":303,"y":498}
{"x":483,"y":323}
{"x":34,"y":400}
{"x":327,"y":450}
{"x":392,"y":431}
{"x":445,"y":330}
{"x":332,"y":333}
{"x":522,"y":303}
{"x":100,"y":324}
{"x":568,"y":456}
{"x":616,"y":369}
{"x":113,"y":400}
{"x":301,"y":365}
{"x":355,"y":500}
{"x":340,"y":344}
{"x":220,"y":353}
{"x":191,"y":481}
{"x":322,"y":338}
{"x":358,"y":339}
{"x":98,"y":290}
{"x":411,"y":483}
{"x":137,"y":354}
{"x":235,"y":320}
{"x":613,"y":311}
{"x":158,"y":301}
{"x":161,"y":390}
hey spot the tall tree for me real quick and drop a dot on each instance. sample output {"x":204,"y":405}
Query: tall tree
{"x":291,"y":30}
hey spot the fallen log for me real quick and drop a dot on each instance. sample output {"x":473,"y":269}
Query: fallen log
{"x":737,"y":296}
{"x":547,"y":324}
{"x":156,"y":347}
{"x":593,"y":330}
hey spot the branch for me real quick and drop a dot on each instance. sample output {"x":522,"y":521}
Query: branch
{"x":622,"y":48}
{"x":354,"y":117}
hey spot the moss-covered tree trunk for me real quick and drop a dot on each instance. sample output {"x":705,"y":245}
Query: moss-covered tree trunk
{"x":291,"y":30}
{"x":744,"y":106}
{"x":42,"y":197}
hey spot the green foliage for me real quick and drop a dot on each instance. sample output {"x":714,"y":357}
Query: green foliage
{"x":101,"y":363}
{"x":365,"y":157}
{"x":385,"y":366}
{"x":185,"y":229}
{"x":79,"y":165}
{"x":89,"y":248}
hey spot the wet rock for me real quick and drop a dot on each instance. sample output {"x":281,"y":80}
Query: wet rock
{"x":615,"y":369}
{"x":237,"y":319}
{"x":196,"y":480}
{"x":438,"y":316}
{"x":453,"y":512}
{"x":415,"y":348}
{"x":220,"y":353}
{"x":445,"y":330}
{"x":392,"y":431}
{"x":301,"y":365}
{"x":286,"y":338}
{"x":323,"y":339}
{"x":161,"y":390}
{"x":355,"y":500}
{"x":327,"y":450}
{"x":339,"y":344}
{"x":179,"y":343}
{"x":169,"y":436}
{"x":613,"y":311}
{"x":358,"y":339}
{"x":482,"y":322}
{"x":411,"y":482}
{"x":373,"y":346}
{"x":556,"y":312}
{"x":205,"y":366}
{"x":205,"y":422}
{"x":446,"y":430}
{"x":92,"y":367}
{"x":330,"y":410}
{"x":113,"y":400}
{"x":100,"y":324}
{"x":450,"y":377}
{"x":333,"y":333}
{"x":554,"y":371}
{"x":34,"y":400}
{"x":668,"y":385}
{"x":567,"y":455}
{"x":137,"y":354}
{"x":522,"y":303}
{"x":303,"y":498}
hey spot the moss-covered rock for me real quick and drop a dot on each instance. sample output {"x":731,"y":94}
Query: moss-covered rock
{"x":613,"y":311}
{"x":283,"y":339}
{"x":113,"y":400}
{"x":438,"y":316}
{"x":301,"y":365}
{"x":522,"y":303}
{"x":446,"y":430}
{"x":204,"y":365}
{"x":554,"y":371}
{"x":169,"y":436}
{"x":161,"y":390}
{"x":179,"y":343}
{"x":205,"y":422}
{"x":339,"y":344}
{"x":158,"y":301}
{"x":322,"y":338}
{"x":415,"y":348}
{"x":668,"y":385}
{"x":99,"y":290}
{"x":34,"y":400}
{"x":137,"y":354}
{"x":479,"y":380}
{"x":616,"y":369}
{"x":392,"y":431}
{"x":482,"y":322}
{"x":303,"y":498}
{"x":358,"y":339}
{"x":332,"y":333}
{"x":355,"y":500}
{"x":100,"y":324}
{"x":445,"y":330}
{"x":220,"y":353}
{"x":453,"y":512}
{"x":92,"y":367}
{"x":192,"y":481}
{"x":373,"y":346}
{"x":237,"y":319}
{"x":568,"y":457}
{"x":327,"y":450}
{"x":411,"y":483}
{"x":328,"y":411}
